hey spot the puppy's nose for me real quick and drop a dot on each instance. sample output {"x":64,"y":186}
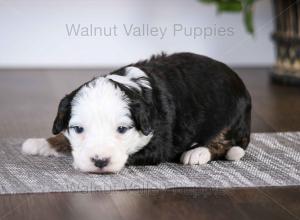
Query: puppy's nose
{"x":100,"y":162}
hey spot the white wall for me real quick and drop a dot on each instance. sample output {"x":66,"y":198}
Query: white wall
{"x":33,"y":33}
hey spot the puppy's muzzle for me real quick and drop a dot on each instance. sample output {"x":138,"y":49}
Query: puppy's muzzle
{"x":100,"y":163}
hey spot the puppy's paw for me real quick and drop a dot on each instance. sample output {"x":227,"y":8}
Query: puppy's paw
{"x":199,"y":155}
{"x":38,"y":146}
{"x":235,"y":153}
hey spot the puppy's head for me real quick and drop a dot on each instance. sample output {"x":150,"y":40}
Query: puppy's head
{"x":106,"y":120}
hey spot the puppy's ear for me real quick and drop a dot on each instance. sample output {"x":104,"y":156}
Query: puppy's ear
{"x":63,"y":113}
{"x":141,"y":117}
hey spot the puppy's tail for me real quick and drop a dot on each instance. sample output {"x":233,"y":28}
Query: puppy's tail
{"x":53,"y":146}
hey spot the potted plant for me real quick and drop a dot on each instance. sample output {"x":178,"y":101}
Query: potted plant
{"x":286,"y":36}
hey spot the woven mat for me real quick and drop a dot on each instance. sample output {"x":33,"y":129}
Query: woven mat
{"x":272,"y":159}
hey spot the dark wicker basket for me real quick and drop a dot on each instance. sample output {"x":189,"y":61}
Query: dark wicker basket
{"x":287,"y":39}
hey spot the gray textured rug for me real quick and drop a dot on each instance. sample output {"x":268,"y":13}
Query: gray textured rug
{"x":271,"y":160}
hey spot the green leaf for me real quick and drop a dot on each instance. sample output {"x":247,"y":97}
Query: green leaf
{"x":248,"y":19}
{"x":248,"y":15}
{"x":233,"y":6}
{"x":244,"y":6}
{"x":209,"y":1}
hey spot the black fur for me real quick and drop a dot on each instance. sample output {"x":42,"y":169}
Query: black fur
{"x":63,"y":113}
{"x":193,"y":99}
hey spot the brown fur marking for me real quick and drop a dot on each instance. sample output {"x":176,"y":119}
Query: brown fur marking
{"x":60,"y":143}
{"x":219,"y":145}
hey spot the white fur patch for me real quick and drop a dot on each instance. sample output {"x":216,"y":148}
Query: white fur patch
{"x":235,"y":153}
{"x":134,"y":78}
{"x":38,"y":146}
{"x":124,"y":81}
{"x":199,"y":155}
{"x":193,"y":144}
{"x":136,"y":73}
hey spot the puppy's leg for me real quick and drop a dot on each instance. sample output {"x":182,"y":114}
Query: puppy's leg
{"x":52,"y":146}
{"x":202,"y":155}
{"x":218,"y":148}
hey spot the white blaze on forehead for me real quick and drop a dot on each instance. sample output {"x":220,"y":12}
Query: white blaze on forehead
{"x":134,"y":78}
{"x":101,"y":101}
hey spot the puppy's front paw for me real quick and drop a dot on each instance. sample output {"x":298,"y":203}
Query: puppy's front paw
{"x":38,"y":146}
{"x":199,"y":155}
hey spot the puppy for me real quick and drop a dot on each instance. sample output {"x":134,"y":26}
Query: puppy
{"x":183,"y":108}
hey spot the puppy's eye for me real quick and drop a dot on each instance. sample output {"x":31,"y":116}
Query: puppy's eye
{"x":122,"y":129}
{"x":77,"y":129}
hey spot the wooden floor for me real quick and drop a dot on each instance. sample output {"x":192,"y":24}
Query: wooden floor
{"x":28,"y":103}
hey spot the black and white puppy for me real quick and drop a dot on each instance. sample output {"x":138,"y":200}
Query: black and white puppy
{"x":183,"y":108}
